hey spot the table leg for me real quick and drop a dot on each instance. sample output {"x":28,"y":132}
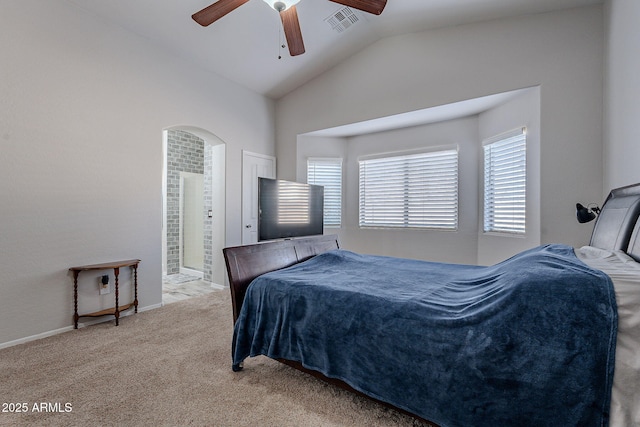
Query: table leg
{"x":135,"y":287}
{"x":75,"y":299}
{"x":116,"y":272}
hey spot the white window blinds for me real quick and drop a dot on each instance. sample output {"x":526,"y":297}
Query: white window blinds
{"x":328,"y":173}
{"x":505,"y":179}
{"x":410,"y":191}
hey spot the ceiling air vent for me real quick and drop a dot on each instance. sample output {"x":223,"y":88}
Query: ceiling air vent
{"x":342,"y":19}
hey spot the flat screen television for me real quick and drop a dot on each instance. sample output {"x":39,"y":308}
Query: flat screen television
{"x":289,"y":209}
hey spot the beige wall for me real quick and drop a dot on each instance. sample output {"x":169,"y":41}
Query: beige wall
{"x":83,"y":105}
{"x":560,"y":52}
{"x":622,"y":86}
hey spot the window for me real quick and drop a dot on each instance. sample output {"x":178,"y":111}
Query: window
{"x":505,"y":182}
{"x":418,"y":190}
{"x":328,"y":173}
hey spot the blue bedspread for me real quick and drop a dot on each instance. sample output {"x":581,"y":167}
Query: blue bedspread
{"x":526,"y":342}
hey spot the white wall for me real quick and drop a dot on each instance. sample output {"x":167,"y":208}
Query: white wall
{"x":561,"y":52}
{"x":622,"y":89}
{"x":82,"y":108}
{"x":522,"y":111}
{"x":469,"y":244}
{"x":317,"y":146}
{"x":430,"y":244}
{"x":459,"y":246}
{"x":218,"y":153}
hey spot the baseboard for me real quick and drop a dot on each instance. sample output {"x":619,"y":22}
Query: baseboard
{"x":35,"y":337}
{"x":149,"y":307}
{"x":70,"y":328}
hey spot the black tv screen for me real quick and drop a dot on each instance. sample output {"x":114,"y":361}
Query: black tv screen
{"x":289,"y":209}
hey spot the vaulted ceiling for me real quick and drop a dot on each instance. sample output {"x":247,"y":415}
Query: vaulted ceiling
{"x":245,"y":46}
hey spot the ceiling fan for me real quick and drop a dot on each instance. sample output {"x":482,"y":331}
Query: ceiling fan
{"x":288,"y":14}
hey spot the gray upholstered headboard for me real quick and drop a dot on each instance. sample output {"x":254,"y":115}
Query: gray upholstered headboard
{"x":634,"y":244}
{"x":617,"y":220}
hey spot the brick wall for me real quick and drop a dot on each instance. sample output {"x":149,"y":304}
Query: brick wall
{"x":185,"y":153}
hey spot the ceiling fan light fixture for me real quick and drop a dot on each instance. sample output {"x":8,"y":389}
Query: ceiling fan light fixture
{"x":281,"y":5}
{"x":288,"y":16}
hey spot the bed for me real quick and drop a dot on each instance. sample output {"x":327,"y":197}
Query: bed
{"x":547,"y":337}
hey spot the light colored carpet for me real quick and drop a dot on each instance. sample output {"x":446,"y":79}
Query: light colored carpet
{"x":169,"y":367}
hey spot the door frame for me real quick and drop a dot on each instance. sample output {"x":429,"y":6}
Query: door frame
{"x":250,"y":163}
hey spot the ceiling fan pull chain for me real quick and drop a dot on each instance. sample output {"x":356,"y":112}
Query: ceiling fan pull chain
{"x":281,"y":44}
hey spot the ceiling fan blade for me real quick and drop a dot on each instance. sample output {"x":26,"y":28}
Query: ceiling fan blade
{"x":372,"y":6}
{"x":292,"y":31}
{"x":217,"y":10}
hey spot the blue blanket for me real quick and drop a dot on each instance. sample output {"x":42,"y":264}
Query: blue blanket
{"x":526,"y":342}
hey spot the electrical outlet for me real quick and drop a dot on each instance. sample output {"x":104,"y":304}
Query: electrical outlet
{"x":104,"y":285}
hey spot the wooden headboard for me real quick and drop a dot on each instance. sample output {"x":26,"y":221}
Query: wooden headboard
{"x":245,"y":263}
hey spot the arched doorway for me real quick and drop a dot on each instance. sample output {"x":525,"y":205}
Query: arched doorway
{"x":193,"y":232}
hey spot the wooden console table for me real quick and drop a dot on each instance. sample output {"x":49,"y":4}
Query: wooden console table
{"x":115,"y":311}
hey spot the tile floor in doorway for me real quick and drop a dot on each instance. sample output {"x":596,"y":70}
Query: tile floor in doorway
{"x":178,"y":287}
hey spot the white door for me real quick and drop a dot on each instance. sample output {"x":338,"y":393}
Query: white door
{"x":191,"y":221}
{"x":254,"y":166}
